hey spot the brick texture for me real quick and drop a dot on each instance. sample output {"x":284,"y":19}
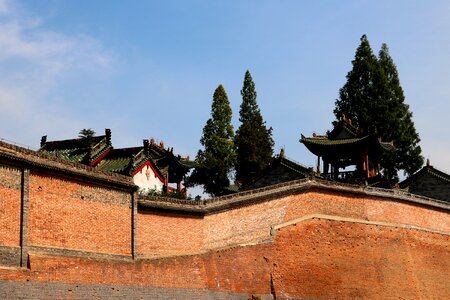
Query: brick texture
{"x":182,"y":234}
{"x":315,"y":258}
{"x":38,"y":290}
{"x":312,"y":243}
{"x":10,"y":189}
{"x":329,"y":259}
{"x":71,"y":215}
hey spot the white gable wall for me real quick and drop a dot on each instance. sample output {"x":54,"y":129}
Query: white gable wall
{"x":147,"y":180}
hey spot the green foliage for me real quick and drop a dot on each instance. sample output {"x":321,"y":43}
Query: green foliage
{"x":401,"y":129}
{"x":87,"y":136}
{"x":86,"y":133}
{"x":218,"y":157}
{"x":156,"y":193}
{"x":373,"y":98}
{"x":253,"y":141}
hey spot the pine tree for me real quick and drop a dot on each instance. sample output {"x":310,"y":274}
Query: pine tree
{"x":373,"y":98}
{"x":218,"y":157}
{"x":253,"y":142}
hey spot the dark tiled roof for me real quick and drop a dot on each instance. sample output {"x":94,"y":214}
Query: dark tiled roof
{"x":344,"y":129}
{"x":119,"y":160}
{"x":42,"y":160}
{"x":76,"y":150}
{"x":328,"y":142}
{"x":124,"y":161}
{"x":430,"y":170}
{"x":281,"y":169}
{"x":429,"y":182}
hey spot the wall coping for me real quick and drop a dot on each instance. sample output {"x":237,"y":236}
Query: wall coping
{"x":54,"y":164}
{"x":217,"y":204}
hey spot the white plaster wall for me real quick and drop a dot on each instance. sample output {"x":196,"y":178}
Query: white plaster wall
{"x":150,"y":182}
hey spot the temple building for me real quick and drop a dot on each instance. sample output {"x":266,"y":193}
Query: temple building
{"x":347,"y":146}
{"x":152,"y":167}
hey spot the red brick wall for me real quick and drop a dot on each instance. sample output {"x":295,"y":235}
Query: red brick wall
{"x":367,"y":208}
{"x":250,"y":224}
{"x":10,"y":202}
{"x":315,"y":258}
{"x":168,"y":234}
{"x":77,"y":216}
{"x":327,"y":244}
{"x":329,"y":259}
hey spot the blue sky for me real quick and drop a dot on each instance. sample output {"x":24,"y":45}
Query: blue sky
{"x":149,"y":68}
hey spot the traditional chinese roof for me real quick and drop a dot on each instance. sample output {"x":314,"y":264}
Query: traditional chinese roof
{"x":80,"y":150}
{"x":344,"y":130}
{"x":100,"y":153}
{"x":123,"y":160}
{"x":429,"y":182}
{"x":323,"y":146}
{"x":281,"y":169}
{"x":344,"y":141}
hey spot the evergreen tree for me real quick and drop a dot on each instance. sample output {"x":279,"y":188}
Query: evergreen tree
{"x":401,"y":129}
{"x":253,"y":142}
{"x":362,"y":97}
{"x":373,"y":99}
{"x":218,"y":157}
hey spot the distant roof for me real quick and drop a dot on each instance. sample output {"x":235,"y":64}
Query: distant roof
{"x":98,"y":152}
{"x":119,"y":160}
{"x":428,"y":169}
{"x":281,"y":169}
{"x":429,"y":182}
{"x":80,"y":150}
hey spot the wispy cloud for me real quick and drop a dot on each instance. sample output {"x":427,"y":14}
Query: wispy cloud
{"x":33,"y":61}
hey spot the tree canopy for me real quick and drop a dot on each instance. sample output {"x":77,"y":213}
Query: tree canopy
{"x":373,"y":98}
{"x":218,"y":156}
{"x":253,"y":141}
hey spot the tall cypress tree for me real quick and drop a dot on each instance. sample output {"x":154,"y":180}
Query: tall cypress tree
{"x":218,"y":157}
{"x":401,"y":127}
{"x":362,"y":97}
{"x":253,"y":142}
{"x":373,"y":99}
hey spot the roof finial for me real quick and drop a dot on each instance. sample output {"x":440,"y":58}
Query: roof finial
{"x":108,"y":136}
{"x":428,"y":162}
{"x":43,"y":140}
{"x":146,"y":149}
{"x":282,"y":152}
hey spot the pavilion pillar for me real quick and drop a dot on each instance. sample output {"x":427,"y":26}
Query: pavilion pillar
{"x":318,"y":164}
{"x":366,"y":162}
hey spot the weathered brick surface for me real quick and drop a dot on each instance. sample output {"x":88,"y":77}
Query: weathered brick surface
{"x":71,"y":215}
{"x":252,"y":223}
{"x":168,"y":234}
{"x":305,"y":242}
{"x":367,"y":208}
{"x":9,"y":256}
{"x":315,"y":258}
{"x":329,"y":259}
{"x":10,"y":189}
{"x":38,"y":290}
{"x":246,"y":224}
